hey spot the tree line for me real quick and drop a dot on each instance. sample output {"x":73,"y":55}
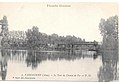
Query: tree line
{"x":33,"y":39}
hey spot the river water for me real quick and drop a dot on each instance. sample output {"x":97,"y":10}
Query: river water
{"x":50,"y":65}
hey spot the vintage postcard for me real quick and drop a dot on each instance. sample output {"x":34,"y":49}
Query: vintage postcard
{"x":59,"y":41}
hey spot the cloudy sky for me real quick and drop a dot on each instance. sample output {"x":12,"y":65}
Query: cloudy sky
{"x":81,"y":19}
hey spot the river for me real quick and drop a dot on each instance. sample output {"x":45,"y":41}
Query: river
{"x":52,"y":65}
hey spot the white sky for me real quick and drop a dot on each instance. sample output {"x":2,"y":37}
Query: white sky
{"x":81,"y":19}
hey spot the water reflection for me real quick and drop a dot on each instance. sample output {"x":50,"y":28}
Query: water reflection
{"x":108,"y":71}
{"x":34,"y":58}
{"x":3,"y":62}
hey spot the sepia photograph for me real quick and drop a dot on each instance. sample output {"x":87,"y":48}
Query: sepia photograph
{"x":59,"y":41}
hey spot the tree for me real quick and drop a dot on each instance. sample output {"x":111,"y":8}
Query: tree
{"x":109,"y":31}
{"x":34,"y":38}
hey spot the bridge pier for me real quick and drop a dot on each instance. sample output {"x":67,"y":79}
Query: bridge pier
{"x":72,"y":48}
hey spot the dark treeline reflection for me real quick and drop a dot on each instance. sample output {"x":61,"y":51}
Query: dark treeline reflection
{"x":108,"y":71}
{"x":33,"y":58}
{"x":4,"y":55}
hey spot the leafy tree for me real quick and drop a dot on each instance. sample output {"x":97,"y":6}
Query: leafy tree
{"x":109,"y":31}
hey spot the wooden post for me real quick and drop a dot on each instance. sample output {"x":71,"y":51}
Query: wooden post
{"x":72,"y":50}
